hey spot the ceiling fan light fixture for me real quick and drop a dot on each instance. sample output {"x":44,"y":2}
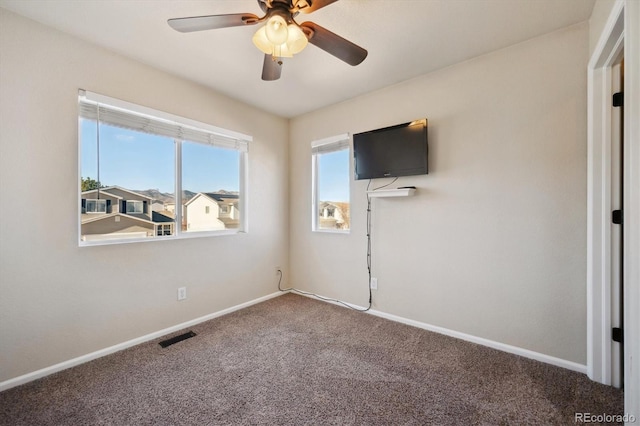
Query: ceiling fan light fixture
{"x":282,"y":51}
{"x":276,"y":30}
{"x":296,"y":40}
{"x":277,"y":50}
{"x":280,"y":36}
{"x":261,"y":41}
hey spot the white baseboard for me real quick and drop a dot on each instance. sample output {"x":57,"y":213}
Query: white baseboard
{"x":8,"y":384}
{"x":548,"y":359}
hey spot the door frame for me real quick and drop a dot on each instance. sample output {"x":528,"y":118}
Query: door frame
{"x":621,"y":34}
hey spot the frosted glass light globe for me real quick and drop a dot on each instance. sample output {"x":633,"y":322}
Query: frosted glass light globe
{"x":296,"y":40}
{"x":276,"y":29}
{"x":261,"y":41}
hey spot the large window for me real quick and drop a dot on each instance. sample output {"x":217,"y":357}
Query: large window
{"x":331,"y":177}
{"x":137,"y":165}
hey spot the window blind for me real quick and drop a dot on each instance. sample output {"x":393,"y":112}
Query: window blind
{"x":332,"y":144}
{"x":116,"y":113}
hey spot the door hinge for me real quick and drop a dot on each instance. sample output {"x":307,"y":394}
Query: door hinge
{"x":618,"y":99}
{"x":617,"y":335}
{"x":616,"y":217}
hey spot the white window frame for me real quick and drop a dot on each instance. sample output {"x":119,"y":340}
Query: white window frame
{"x":182,"y":130}
{"x":324,"y":146}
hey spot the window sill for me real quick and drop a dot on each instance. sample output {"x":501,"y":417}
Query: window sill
{"x":182,"y":236}
{"x":332,"y":231}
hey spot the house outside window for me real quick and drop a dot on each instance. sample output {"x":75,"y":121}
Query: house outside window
{"x":330,"y":184}
{"x":138,"y":164}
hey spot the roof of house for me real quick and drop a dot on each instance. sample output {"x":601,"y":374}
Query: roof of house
{"x":338,"y":204}
{"x":214,"y":196}
{"x":162,"y":216}
{"x":221,"y":196}
{"x":100,"y":217}
{"x":102,"y":191}
{"x":106,"y":189}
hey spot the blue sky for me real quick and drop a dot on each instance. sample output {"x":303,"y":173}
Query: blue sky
{"x":137,"y":160}
{"x":334,"y":176}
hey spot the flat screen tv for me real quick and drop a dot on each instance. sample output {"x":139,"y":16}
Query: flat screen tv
{"x":399,"y":150}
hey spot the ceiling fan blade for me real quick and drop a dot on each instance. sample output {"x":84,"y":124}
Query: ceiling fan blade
{"x":334,"y":44}
{"x":212,"y":22}
{"x":271,"y":68}
{"x":315,"y":5}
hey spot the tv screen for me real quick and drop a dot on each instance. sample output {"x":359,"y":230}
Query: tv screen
{"x":394,"y":151}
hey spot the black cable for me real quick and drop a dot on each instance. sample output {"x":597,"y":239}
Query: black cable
{"x":383,"y":186}
{"x":328,"y":299}
{"x":369,"y":241}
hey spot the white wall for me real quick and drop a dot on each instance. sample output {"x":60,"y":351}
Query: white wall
{"x":59,"y":301}
{"x":494,"y":242}
{"x":599,"y":16}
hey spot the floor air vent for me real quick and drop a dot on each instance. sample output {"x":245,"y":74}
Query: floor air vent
{"x":177,"y":339}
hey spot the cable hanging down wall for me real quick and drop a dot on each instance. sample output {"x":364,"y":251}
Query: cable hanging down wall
{"x":326,"y":299}
{"x":369,"y":262}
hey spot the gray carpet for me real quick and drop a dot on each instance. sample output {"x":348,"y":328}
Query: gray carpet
{"x":295,"y":361}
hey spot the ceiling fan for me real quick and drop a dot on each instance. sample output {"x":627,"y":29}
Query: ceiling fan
{"x":281,"y":36}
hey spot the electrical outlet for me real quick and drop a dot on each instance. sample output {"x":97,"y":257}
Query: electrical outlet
{"x":182,"y":293}
{"x":278,"y":270}
{"x":374,"y":283}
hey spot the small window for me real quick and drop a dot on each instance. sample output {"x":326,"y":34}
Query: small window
{"x":96,"y":206}
{"x":331,"y":180}
{"x":163,"y":230}
{"x":135,"y":207}
{"x":206,"y":209}
{"x":224,"y":209}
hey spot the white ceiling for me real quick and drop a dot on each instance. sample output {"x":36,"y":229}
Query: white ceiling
{"x":405,"y":38}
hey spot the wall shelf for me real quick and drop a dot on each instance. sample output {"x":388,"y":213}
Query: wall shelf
{"x":399,"y":192}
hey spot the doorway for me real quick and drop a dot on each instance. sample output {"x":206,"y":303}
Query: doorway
{"x":620,"y":36}
{"x":604,"y":253}
{"x":617,"y":224}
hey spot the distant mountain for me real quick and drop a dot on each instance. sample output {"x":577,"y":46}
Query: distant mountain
{"x":187,"y":195}
{"x":156,"y":195}
{"x":222,"y":191}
